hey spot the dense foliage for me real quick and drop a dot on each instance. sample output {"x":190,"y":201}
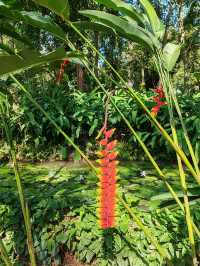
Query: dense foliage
{"x":80,"y":114}
{"x":70,"y":71}
{"x":63,"y":207}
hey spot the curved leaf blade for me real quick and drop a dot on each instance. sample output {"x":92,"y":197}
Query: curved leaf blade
{"x":87,"y":25}
{"x":30,"y":58}
{"x":171,"y":54}
{"x":156,"y":25}
{"x":124,"y":8}
{"x":34,"y":19}
{"x":124,"y":27}
{"x":60,"y":7}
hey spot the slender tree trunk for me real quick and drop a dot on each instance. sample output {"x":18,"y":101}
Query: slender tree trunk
{"x":142,"y":78}
{"x":96,"y":59}
{"x":167,"y":23}
{"x":182,"y":40}
{"x":80,"y":76}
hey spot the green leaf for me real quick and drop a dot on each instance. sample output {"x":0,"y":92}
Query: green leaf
{"x":171,"y":54}
{"x":35,"y":19}
{"x":6,"y":48}
{"x":125,"y":28}
{"x":87,"y":25}
{"x":60,"y":7}
{"x":156,"y":25}
{"x":124,"y":8}
{"x":94,"y":125}
{"x":29,"y":58}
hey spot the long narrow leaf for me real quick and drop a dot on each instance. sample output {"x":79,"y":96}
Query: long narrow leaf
{"x":35,"y":19}
{"x":124,"y":8}
{"x":156,"y":24}
{"x":29,"y":58}
{"x":125,"y":28}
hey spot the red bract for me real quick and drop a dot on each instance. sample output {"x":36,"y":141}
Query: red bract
{"x":61,"y":72}
{"x":108,"y":181}
{"x":158,"y":100}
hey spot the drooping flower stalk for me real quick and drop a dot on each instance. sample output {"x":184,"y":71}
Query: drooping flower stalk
{"x":61,"y":71}
{"x":158,"y":100}
{"x":108,"y":180}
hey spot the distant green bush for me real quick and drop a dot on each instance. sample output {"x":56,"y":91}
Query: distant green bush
{"x":81,"y":114}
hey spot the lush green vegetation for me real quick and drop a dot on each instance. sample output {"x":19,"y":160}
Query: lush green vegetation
{"x":82,"y":85}
{"x":62,"y":200}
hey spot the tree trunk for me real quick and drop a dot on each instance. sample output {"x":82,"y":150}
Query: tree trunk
{"x":80,"y":76}
{"x":96,"y":59}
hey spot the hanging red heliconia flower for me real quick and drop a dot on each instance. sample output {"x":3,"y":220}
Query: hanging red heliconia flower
{"x":61,"y":71}
{"x":108,"y":180}
{"x":158,"y":100}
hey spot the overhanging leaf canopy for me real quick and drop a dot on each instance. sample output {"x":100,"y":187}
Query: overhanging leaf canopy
{"x":35,"y":19}
{"x":30,"y":58}
{"x":125,"y":28}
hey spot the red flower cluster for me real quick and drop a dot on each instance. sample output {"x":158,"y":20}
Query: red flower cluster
{"x":61,"y":71}
{"x":108,"y":181}
{"x":158,"y":100}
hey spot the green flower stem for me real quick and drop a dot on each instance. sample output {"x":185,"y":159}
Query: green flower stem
{"x":20,"y":192}
{"x":186,"y":202}
{"x":172,"y":92}
{"x":147,"y":233}
{"x":4,"y":254}
{"x":139,"y":101}
{"x":189,"y":222}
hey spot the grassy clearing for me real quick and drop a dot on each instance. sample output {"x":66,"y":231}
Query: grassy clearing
{"x":62,"y":200}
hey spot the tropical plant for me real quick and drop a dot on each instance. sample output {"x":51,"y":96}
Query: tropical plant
{"x":147,"y":30}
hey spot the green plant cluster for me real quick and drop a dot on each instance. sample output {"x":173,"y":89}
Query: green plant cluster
{"x":64,"y":218}
{"x":80,"y":114}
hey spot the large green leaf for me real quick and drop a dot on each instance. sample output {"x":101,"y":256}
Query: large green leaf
{"x":87,"y":25}
{"x":60,"y":7}
{"x":156,"y":25}
{"x":124,"y":8}
{"x":35,"y":19}
{"x":29,"y":58}
{"x":125,"y":28}
{"x":171,"y":54}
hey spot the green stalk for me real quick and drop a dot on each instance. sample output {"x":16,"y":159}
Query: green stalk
{"x":157,"y":168}
{"x":147,"y":233}
{"x":139,"y":101}
{"x":174,"y":97}
{"x":186,"y":203}
{"x":4,"y":254}
{"x":20,"y":192}
{"x":189,"y":222}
